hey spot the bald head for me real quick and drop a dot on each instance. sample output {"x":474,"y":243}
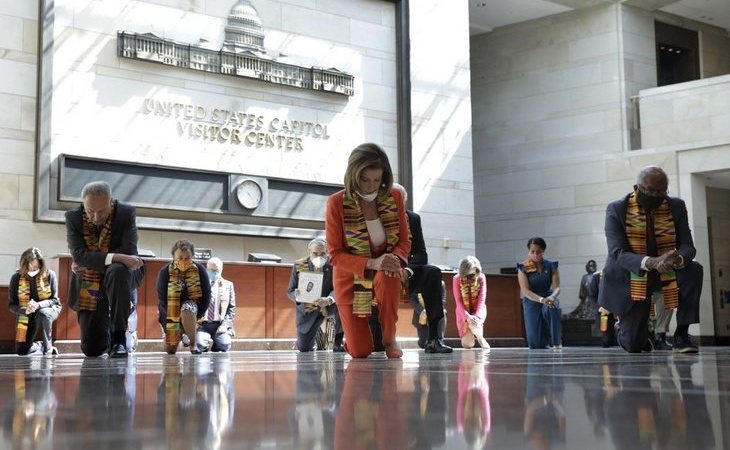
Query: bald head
{"x":653,"y":181}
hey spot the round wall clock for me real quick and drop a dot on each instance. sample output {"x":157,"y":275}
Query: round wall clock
{"x":249,"y":194}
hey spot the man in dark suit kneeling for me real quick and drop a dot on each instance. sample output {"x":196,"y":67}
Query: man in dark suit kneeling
{"x":425,"y":279}
{"x":650,"y":261}
{"x":102,"y":238}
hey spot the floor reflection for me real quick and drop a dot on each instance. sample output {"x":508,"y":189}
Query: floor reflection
{"x":661,"y":409}
{"x":30,"y":419}
{"x":315,"y":407}
{"x":473,"y":412}
{"x":105,"y":400}
{"x":196,"y":401}
{"x":512,"y":398}
{"x":545,"y":419}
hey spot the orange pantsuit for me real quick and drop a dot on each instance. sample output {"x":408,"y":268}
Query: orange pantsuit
{"x":346,"y":265}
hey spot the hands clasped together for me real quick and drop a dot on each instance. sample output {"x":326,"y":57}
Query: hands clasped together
{"x":670,"y":260}
{"x":550,"y":301}
{"x":31,"y":307}
{"x":390,"y":264}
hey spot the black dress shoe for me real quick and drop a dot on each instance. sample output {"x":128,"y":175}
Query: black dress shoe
{"x":648,"y":346}
{"x":436,"y":346}
{"x":661,"y":343}
{"x":684,"y":345}
{"x":338,"y":348}
{"x":118,"y":351}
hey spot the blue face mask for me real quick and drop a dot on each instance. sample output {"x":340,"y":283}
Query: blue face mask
{"x":212,"y":274}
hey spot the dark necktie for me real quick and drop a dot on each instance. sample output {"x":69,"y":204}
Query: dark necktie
{"x":213,"y":305}
{"x":653,"y":281}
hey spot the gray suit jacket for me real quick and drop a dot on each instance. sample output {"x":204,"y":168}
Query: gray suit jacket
{"x":614,"y":293}
{"x":305,"y":320}
{"x":123,"y":240}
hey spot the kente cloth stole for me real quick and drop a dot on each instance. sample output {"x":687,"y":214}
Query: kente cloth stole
{"x":301,"y":265}
{"x":529,"y":265}
{"x":666,"y":240}
{"x":43,"y":285}
{"x":357,"y":240}
{"x":178,"y":281}
{"x":91,"y":279}
{"x":469,"y":292}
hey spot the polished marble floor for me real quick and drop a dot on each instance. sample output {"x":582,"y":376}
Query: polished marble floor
{"x":507,"y":398}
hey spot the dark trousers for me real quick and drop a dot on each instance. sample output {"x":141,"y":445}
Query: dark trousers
{"x":426,"y":280}
{"x":108,"y":323}
{"x":375,"y":330}
{"x":305,"y":340}
{"x":633,"y":330}
{"x":424,"y":332}
{"x":43,"y":320}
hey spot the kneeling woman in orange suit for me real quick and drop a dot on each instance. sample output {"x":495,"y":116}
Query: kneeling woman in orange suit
{"x":368,"y":244}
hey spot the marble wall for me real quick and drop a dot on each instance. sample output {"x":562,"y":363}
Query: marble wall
{"x":357,"y":37}
{"x":552,"y":134}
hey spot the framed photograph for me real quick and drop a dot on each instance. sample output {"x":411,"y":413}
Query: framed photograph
{"x":310,"y":286}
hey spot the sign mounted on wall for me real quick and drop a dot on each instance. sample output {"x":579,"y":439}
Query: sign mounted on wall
{"x":243,"y":55}
{"x":226,"y":126}
{"x":179,"y":140}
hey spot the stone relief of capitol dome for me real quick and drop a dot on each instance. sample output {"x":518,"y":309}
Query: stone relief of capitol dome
{"x":243,"y":55}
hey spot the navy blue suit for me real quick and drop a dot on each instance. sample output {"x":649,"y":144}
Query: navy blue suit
{"x":426,"y":280}
{"x":108,"y":323}
{"x":614,"y":293}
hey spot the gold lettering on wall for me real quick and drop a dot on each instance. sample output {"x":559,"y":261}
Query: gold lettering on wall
{"x":224,"y":126}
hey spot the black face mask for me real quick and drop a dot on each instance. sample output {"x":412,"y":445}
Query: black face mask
{"x":648,"y":202}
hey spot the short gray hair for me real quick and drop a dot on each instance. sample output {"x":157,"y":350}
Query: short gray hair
{"x":468,"y":263}
{"x":645,"y":172}
{"x":95,"y":189}
{"x":317,"y":241}
{"x":404,"y":193}
{"x":216,"y":261}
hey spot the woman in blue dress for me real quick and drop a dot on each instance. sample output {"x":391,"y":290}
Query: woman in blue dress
{"x":539,"y":281}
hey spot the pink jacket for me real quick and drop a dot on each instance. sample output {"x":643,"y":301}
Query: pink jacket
{"x":480,"y":310}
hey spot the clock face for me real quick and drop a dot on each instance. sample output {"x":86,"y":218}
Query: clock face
{"x":249,"y":194}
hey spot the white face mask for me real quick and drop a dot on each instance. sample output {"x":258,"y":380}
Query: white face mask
{"x":33,"y":273}
{"x":318,"y":261}
{"x":368,"y":197}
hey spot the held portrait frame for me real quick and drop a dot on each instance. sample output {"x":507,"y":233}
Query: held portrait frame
{"x":310,"y":286}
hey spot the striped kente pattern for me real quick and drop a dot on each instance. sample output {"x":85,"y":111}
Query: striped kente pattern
{"x":43,"y":285}
{"x":357,"y":240}
{"x":666,"y":239}
{"x":179,"y":280}
{"x":91,"y":279}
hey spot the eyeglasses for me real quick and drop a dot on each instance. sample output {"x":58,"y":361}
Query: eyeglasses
{"x":471,"y":276}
